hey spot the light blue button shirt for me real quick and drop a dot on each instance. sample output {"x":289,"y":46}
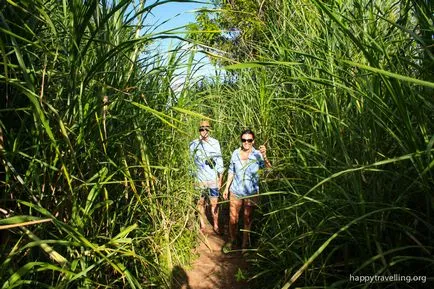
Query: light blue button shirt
{"x":208,"y":161}
{"x":246,"y":177}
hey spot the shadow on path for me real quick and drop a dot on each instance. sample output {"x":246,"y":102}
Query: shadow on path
{"x":179,"y":279}
{"x":213,"y":269}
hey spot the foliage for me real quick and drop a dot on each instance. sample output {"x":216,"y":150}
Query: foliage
{"x":230,"y":31}
{"x":95,"y":188}
{"x":342,"y":94}
{"x":81,"y":129}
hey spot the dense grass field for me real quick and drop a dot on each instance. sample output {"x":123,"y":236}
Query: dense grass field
{"x":95,"y":185}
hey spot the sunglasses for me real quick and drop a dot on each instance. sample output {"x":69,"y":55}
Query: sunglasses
{"x":203,"y":128}
{"x":250,"y":140}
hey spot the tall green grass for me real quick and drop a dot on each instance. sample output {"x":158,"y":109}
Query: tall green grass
{"x":342,"y":95}
{"x":95,"y":187}
{"x":88,"y":145}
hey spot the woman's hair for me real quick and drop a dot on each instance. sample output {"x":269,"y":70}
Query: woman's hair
{"x":247,"y":131}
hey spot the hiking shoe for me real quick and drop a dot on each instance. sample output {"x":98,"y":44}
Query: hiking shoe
{"x":227,"y":247}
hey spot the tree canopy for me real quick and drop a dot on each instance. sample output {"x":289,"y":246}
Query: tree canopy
{"x":232,"y":30}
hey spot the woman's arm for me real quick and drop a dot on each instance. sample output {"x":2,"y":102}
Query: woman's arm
{"x":263,"y":151}
{"x":228,"y":184}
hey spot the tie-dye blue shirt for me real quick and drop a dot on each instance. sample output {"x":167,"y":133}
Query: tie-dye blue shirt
{"x":246,"y":177}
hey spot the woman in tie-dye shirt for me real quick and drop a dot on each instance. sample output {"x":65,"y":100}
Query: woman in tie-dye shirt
{"x":243,"y":185}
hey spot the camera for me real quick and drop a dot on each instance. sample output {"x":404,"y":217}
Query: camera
{"x":210,"y":163}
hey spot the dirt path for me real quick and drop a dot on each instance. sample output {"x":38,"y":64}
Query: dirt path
{"x":212,"y":269}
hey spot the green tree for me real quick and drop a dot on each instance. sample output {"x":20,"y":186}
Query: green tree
{"x":231,"y":31}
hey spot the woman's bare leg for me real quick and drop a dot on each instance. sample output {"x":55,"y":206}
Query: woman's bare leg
{"x":234,"y":209}
{"x":249,"y":206}
{"x":248,"y":213}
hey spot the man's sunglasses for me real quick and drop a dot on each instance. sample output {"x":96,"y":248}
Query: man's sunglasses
{"x":250,"y":140}
{"x":202,"y":128}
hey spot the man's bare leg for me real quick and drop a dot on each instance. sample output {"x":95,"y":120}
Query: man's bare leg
{"x":215,"y":214}
{"x":201,"y":210}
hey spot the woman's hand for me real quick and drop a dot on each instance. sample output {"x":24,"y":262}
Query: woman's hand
{"x":225,"y":194}
{"x":263,"y":151}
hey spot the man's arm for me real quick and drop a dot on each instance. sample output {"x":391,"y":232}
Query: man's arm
{"x":220,"y":181}
{"x":219,"y":165}
{"x":191,"y":162}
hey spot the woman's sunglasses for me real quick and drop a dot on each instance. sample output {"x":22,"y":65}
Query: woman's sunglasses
{"x":202,"y":128}
{"x":250,"y":140}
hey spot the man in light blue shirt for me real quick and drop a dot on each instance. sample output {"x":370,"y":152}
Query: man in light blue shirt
{"x":208,"y":172}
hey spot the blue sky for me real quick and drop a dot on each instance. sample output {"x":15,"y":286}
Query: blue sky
{"x":178,"y":14}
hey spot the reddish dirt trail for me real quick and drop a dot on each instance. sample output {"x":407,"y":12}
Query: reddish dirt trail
{"x":212,"y":269}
